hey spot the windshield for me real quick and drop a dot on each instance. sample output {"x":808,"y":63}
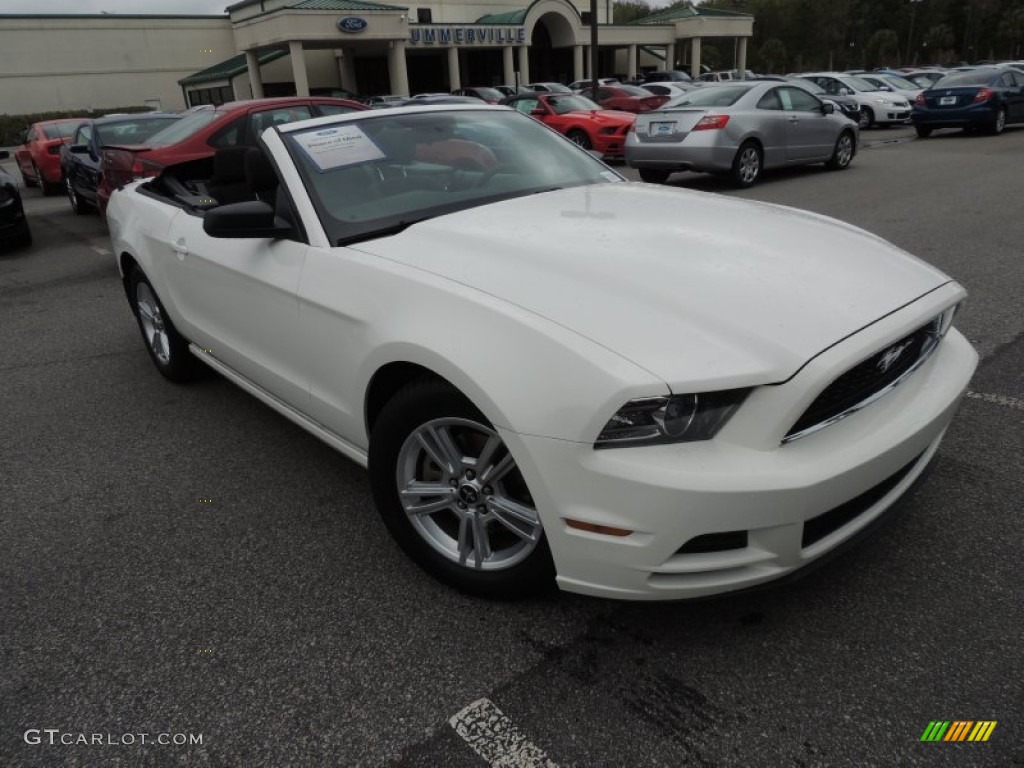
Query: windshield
{"x":712,"y":96}
{"x":61,"y":130}
{"x":857,"y":84}
{"x":131,"y":131}
{"x":899,"y":82}
{"x":184,"y":128}
{"x":376,"y":175}
{"x":563,"y":105}
{"x":809,"y":85}
{"x":976,"y":77}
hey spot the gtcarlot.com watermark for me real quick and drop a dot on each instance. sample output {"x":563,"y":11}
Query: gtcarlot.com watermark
{"x":55,"y":736}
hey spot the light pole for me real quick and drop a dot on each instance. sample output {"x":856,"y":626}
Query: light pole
{"x":910,"y":33}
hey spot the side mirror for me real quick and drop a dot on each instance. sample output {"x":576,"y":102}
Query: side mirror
{"x":79,"y":149}
{"x":828,"y":108}
{"x":253,"y":218}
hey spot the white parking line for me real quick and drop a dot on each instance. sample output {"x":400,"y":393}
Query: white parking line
{"x":1009,"y":402}
{"x":496,"y":739}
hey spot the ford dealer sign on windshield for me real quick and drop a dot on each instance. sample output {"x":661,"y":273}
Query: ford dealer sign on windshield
{"x":352,"y":24}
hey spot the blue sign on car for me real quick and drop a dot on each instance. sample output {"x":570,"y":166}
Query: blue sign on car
{"x":352,"y":24}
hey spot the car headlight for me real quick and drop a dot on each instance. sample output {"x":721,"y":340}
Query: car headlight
{"x":671,"y":419}
{"x":881,"y":101}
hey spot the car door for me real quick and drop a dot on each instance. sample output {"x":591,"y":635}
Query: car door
{"x":1013,"y":85}
{"x":810,"y":133}
{"x":78,"y":171}
{"x":774,"y":128}
{"x":239,"y":297}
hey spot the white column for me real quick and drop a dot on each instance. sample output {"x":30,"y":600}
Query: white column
{"x":577,"y":62}
{"x":252,"y":61}
{"x":299,"y":67}
{"x":524,"y":64}
{"x":454,"y":79}
{"x":741,"y":56}
{"x":670,"y":56}
{"x":695,"y":58}
{"x":347,"y":65}
{"x":396,"y":68}
{"x":631,"y":61}
{"x":510,"y":67}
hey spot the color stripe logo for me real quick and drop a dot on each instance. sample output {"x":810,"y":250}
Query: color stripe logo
{"x":958,"y":730}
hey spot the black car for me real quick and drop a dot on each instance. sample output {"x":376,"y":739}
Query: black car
{"x":848,"y":106}
{"x":986,"y":98}
{"x":14,"y":228}
{"x":80,"y":160}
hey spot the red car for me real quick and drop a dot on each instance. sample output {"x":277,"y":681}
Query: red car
{"x":578,"y":119}
{"x":627,"y":98}
{"x":38,"y":157}
{"x":200,"y":134}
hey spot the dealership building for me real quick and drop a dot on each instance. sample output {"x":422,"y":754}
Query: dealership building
{"x":284,"y":47}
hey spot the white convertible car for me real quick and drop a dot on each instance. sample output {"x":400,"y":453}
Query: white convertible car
{"x":546,"y":380}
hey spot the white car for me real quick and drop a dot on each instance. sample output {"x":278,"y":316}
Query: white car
{"x":579,"y":85}
{"x":876,"y":107}
{"x":552,"y":373}
{"x":898,"y":85}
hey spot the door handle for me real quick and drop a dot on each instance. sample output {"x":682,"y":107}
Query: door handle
{"x":794,"y":119}
{"x":180,"y":248}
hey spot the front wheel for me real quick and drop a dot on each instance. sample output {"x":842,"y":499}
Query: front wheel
{"x":579,"y":138}
{"x":167,"y":348}
{"x":923,"y":131}
{"x":451,"y":495}
{"x":78,"y":205}
{"x":867,"y":118}
{"x":653,"y":176}
{"x":746,"y":166}
{"x":842,"y":154}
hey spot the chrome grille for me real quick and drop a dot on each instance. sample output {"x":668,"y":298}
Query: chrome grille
{"x":870,"y":379}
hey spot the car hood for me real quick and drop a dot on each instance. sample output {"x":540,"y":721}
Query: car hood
{"x":698,"y":289}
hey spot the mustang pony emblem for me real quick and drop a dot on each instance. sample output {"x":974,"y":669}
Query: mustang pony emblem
{"x":892,"y":354}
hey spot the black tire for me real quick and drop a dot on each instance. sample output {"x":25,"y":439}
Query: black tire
{"x":31,"y":182}
{"x":410,"y":410}
{"x":78,"y":205}
{"x":579,"y":138}
{"x":867,"y":118}
{"x":654,"y":176}
{"x":748,"y":164}
{"x":923,"y":131}
{"x":996,"y":126}
{"x":843,"y":153}
{"x":170,"y":355}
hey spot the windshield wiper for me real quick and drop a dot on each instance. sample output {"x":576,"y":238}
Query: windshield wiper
{"x":393,"y":229}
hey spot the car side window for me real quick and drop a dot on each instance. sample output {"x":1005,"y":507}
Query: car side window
{"x":799,"y":100}
{"x":333,"y":109}
{"x":260,"y":121}
{"x":1006,"y":80}
{"x":770,"y":100}
{"x":228,"y":136}
{"x":657,"y":90}
{"x":526,"y":106}
{"x":1018,"y":78}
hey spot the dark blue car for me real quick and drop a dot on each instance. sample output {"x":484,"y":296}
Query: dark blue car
{"x":979,"y":99}
{"x":14,"y":229}
{"x":80,"y":160}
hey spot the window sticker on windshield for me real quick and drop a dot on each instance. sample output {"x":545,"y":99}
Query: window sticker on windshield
{"x":339,"y":146}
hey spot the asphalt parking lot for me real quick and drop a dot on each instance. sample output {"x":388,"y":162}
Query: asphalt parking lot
{"x":183,"y":561}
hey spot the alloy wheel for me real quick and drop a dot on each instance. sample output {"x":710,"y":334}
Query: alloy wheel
{"x":464,"y":495}
{"x":844,"y":152}
{"x":72,"y":197}
{"x":152,"y":321}
{"x":750,"y":165}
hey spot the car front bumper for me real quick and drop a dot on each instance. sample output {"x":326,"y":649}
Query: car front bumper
{"x":793,"y":502}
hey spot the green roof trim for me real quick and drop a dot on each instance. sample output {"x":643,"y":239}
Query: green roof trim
{"x":509,"y":17}
{"x":689,"y":12}
{"x":343,"y":5}
{"x":230,"y":68}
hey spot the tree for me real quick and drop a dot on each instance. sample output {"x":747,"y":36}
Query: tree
{"x":883,"y":47}
{"x":626,"y":11}
{"x":771,"y":56}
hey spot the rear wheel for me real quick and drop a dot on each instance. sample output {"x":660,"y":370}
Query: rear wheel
{"x":167,"y":348}
{"x":999,"y":123}
{"x":579,"y":138}
{"x":867,"y":117}
{"x":842,"y":154}
{"x":746,"y":166}
{"x":923,"y":131}
{"x":36,"y":179}
{"x":653,"y":176}
{"x":450,"y":493}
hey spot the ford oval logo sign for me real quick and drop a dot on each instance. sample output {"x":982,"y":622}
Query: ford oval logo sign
{"x":352,"y":24}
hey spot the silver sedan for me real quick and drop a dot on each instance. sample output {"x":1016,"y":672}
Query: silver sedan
{"x":740,"y":129}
